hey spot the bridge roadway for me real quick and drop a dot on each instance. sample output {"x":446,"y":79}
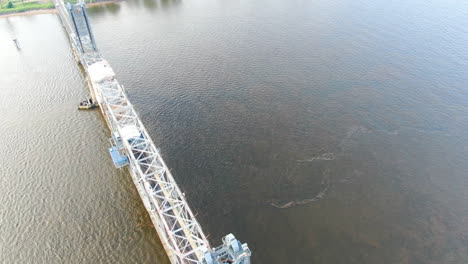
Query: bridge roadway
{"x":175,"y":223}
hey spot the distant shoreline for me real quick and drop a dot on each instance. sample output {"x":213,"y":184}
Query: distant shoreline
{"x":30,"y":12}
{"x":51,"y":10}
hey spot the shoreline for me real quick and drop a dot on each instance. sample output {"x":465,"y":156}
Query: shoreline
{"x":30,"y":12}
{"x":52,"y":10}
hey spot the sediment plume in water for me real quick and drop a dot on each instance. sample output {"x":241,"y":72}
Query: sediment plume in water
{"x":319,"y":196}
{"x":325,"y":156}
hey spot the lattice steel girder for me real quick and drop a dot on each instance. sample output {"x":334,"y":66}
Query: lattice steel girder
{"x":172,"y":217}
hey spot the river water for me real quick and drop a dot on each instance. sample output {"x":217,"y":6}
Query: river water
{"x":315,"y":131}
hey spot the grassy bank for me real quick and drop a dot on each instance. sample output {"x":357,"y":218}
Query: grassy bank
{"x":18,"y":6}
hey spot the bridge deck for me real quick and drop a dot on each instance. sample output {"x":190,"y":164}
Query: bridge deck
{"x":177,"y":227}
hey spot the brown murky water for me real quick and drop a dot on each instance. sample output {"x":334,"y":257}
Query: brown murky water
{"x":316,"y":131}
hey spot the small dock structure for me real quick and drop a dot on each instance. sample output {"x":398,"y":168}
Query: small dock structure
{"x":179,"y":231}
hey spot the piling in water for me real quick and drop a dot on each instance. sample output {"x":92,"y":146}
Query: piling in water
{"x":16,"y":43}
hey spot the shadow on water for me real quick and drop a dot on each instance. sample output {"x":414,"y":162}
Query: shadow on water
{"x":112,"y":8}
{"x":154,"y":4}
{"x":115,"y":8}
{"x":10,"y":27}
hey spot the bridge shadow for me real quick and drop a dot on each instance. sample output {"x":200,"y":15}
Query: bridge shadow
{"x":154,"y":4}
{"x":110,"y":8}
{"x":115,"y":8}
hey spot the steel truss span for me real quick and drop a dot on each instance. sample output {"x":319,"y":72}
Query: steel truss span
{"x":174,"y":221}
